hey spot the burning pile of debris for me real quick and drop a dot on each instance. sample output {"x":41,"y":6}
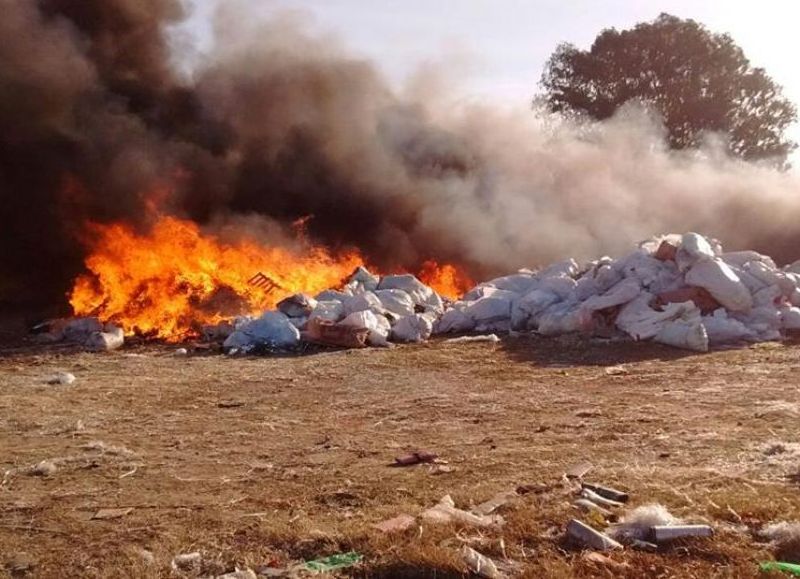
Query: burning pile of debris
{"x":680,"y":290}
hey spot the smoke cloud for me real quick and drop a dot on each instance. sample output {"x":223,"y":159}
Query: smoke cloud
{"x":278,"y":124}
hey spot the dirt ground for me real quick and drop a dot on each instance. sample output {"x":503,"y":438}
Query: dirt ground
{"x":264,"y":461}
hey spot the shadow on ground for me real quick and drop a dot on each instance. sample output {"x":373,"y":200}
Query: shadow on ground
{"x":574,"y":350}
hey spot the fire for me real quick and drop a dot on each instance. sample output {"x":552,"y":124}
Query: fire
{"x":447,"y":280}
{"x":167,"y":282}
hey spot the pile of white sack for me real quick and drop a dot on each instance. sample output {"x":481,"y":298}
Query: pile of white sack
{"x":678,"y":290}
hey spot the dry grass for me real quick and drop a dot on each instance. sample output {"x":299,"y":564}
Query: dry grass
{"x":261,"y":461}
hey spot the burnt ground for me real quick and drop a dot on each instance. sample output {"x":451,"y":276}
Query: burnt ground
{"x":269,"y":460}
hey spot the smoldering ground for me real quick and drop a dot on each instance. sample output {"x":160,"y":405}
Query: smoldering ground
{"x":278,"y":123}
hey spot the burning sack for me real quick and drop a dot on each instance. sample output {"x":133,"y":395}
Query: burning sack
{"x":297,"y":306}
{"x":109,"y":339}
{"x":327,"y":333}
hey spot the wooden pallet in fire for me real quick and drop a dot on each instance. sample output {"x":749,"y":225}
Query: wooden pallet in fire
{"x":264,"y":282}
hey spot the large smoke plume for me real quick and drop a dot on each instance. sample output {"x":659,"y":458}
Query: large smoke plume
{"x":280,"y":124}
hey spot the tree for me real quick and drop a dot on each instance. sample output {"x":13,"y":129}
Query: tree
{"x":699,"y":81}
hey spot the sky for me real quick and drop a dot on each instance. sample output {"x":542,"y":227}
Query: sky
{"x":499,"y":47}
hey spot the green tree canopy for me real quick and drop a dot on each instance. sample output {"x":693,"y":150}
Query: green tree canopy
{"x":698,"y":80}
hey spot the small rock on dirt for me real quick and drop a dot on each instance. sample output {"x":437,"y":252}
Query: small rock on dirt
{"x":63,"y":378}
{"x":44,"y":468}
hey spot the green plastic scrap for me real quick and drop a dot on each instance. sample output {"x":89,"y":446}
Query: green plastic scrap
{"x":792,"y":568}
{"x":334,"y":562}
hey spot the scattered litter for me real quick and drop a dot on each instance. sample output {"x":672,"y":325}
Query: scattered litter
{"x":588,"y":506}
{"x":637,"y":524}
{"x":769,"y":566}
{"x":616,"y":371}
{"x":105,"y":448}
{"x":106,"y":514}
{"x":187,"y":562}
{"x":643,"y":546}
{"x":589,"y":537}
{"x":396,"y":525}
{"x":63,"y":378}
{"x":579,"y":470}
{"x":607,"y":492}
{"x":661,"y":534}
{"x":44,"y":468}
{"x":446,"y":512}
{"x":333,"y":563}
{"x":597,"y":499}
{"x":496,"y":502}
{"x":416,"y":457}
{"x":480,"y":564}
{"x":437,"y":469}
{"x":470,"y":339}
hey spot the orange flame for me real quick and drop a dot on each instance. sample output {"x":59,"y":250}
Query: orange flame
{"x":447,"y":280}
{"x":166,"y":283}
{"x":169,"y":282}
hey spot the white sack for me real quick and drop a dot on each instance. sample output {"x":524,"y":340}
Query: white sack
{"x":363,"y":302}
{"x":79,"y":329}
{"x":297,"y":306}
{"x":622,"y":293}
{"x":396,"y":301}
{"x":641,"y":266}
{"x":488,"y":310}
{"x":768,"y":296}
{"x":416,"y":328}
{"x":272,"y":329}
{"x":488,"y":291}
{"x":693,"y":248}
{"x":722,"y":329}
{"x":328,"y":310}
{"x":363,"y":280}
{"x":790,"y":318}
{"x":740,"y":258}
{"x":525,"y":310}
{"x":333,"y":296}
{"x":563,"y":287}
{"x":565,"y":319}
{"x":418,"y":291}
{"x":680,"y":334}
{"x":377,"y":325}
{"x":568,"y":268}
{"x":642,"y":322}
{"x":454,"y":321}
{"x":111,"y":338}
{"x":721,"y":282}
{"x":519,"y":283}
{"x":770,"y":276}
